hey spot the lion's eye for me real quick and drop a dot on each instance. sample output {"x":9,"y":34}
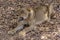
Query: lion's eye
{"x":21,"y":19}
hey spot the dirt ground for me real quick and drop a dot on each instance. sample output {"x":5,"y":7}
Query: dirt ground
{"x":10,"y":16}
